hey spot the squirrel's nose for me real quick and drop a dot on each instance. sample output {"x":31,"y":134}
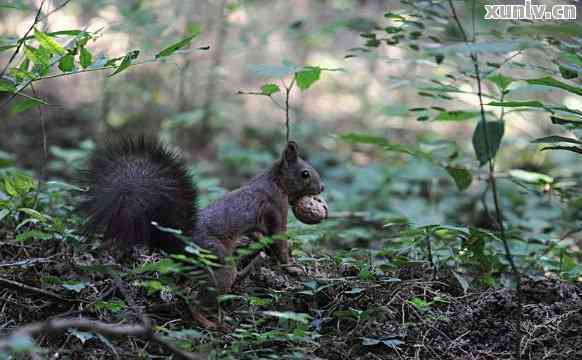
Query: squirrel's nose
{"x":321,"y":187}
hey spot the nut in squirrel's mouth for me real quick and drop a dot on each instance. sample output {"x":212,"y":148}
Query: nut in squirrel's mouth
{"x":310,"y":209}
{"x":308,"y":194}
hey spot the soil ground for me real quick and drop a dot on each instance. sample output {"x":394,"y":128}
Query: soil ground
{"x":408,"y":314}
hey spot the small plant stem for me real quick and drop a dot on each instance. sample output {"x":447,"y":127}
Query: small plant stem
{"x":287,"y":94}
{"x":427,"y":237}
{"x":492,"y":180}
{"x":42,"y":178}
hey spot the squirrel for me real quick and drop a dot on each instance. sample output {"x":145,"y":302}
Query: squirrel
{"x":133,"y":182}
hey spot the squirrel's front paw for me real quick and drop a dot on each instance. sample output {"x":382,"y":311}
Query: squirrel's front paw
{"x":293,"y":269}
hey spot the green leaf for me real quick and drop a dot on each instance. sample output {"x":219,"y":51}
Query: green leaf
{"x":269,"y":89}
{"x":49,"y":43}
{"x":494,"y":131}
{"x":68,"y":32}
{"x":574,"y":59}
{"x":32,"y":234}
{"x":532,"y":103}
{"x":531,"y":177}
{"x":305,"y":78}
{"x":394,"y":16}
{"x":551,"y":82}
{"x":21,"y":7}
{"x":576,"y":149}
{"x":500,"y":80}
{"x":229,"y":297}
{"x":7,"y":86}
{"x":24,"y":65}
{"x":420,"y":304}
{"x":565,"y":29}
{"x":113,"y":306}
{"x":85,"y":58}
{"x":153,"y":286}
{"x":20,"y":75}
{"x":556,"y":139}
{"x":36,"y":56}
{"x":7,"y":47}
{"x":22,"y":182}
{"x":34,"y":214}
{"x":567,"y":120}
{"x":164,"y":266}
{"x":67,"y":63}
{"x":125,"y":62}
{"x":177,"y":46}
{"x":26,"y":104}
{"x":567,"y":73}
{"x":288,"y":315}
{"x":461,"y":176}
{"x":456,"y":115}
{"x":359,"y":138}
{"x":9,"y":187}
{"x":393,"y":29}
{"x":3,"y":214}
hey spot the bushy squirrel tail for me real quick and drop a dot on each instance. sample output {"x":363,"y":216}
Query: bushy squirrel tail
{"x":133,"y":182}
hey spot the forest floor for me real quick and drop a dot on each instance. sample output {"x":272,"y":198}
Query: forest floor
{"x":407,"y":314}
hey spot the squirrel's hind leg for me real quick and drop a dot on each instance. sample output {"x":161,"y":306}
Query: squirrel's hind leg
{"x":222,"y":278}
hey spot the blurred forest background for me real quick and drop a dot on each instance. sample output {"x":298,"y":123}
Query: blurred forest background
{"x":390,"y":122}
{"x":192,"y":99}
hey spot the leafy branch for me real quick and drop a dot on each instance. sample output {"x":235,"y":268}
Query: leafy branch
{"x":21,"y":41}
{"x":41,"y":57}
{"x":303,"y":77}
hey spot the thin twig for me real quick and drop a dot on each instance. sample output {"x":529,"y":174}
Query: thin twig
{"x":287,"y":121}
{"x":503,"y":63}
{"x":427,"y":237}
{"x":60,"y":325}
{"x":27,"y":262}
{"x":261,"y":94}
{"x":30,"y":81}
{"x":65,"y":3}
{"x":32,"y":290}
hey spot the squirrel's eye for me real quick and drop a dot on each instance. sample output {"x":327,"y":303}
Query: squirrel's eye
{"x":305,"y":174}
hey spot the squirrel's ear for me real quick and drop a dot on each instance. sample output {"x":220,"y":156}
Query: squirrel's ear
{"x":291,"y":152}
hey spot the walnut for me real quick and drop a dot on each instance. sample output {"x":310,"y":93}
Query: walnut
{"x":310,"y":210}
